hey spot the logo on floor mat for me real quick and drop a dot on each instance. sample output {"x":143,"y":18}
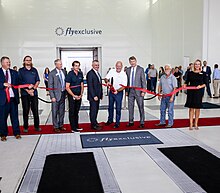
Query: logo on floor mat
{"x":118,"y":139}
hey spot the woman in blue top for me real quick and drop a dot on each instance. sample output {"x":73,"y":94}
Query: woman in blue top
{"x":45,"y":76}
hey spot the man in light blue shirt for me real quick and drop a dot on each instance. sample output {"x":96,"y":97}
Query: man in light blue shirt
{"x":168,"y":84}
{"x":216,"y":81}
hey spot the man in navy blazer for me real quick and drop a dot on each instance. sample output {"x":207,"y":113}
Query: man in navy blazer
{"x":8,"y":77}
{"x":95,"y":93}
{"x":207,"y":71}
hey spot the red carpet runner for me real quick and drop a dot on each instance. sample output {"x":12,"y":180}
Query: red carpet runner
{"x":178,"y":123}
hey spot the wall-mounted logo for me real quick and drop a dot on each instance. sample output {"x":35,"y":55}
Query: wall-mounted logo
{"x":59,"y":31}
{"x":69,"y":31}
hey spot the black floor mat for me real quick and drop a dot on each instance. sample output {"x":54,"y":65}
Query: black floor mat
{"x":200,"y":165}
{"x":207,"y":105}
{"x":68,"y":173}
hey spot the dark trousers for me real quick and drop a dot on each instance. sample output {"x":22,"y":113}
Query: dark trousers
{"x":74,"y":107}
{"x":12,"y":109}
{"x":115,"y":99}
{"x":30,"y":102}
{"x":93,"y":112}
{"x":58,"y":111}
{"x":148,"y":84}
{"x":153,"y":84}
{"x":208,"y":90}
{"x":178,"y":86}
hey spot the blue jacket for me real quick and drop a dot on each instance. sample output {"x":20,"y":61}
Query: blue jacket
{"x":14,"y":81}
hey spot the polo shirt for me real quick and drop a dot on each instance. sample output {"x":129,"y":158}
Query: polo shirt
{"x":28,"y":77}
{"x":75,"y":80}
{"x":168,"y":83}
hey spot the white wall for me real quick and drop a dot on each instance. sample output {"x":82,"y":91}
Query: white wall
{"x":212,"y":32}
{"x":176,"y":31}
{"x":155,"y":31}
{"x":29,"y":28}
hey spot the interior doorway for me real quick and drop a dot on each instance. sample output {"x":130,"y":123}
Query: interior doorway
{"x":84,"y":55}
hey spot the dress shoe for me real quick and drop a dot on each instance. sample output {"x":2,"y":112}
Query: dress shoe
{"x":141,"y":126}
{"x":18,"y":136}
{"x":62,"y":128}
{"x":130,"y":125}
{"x":3,"y":138}
{"x":57,"y":130}
{"x":108,"y":123}
{"x":75,"y":131}
{"x":116,"y":126}
{"x":169,"y":126}
{"x":160,"y":124}
{"x":25,"y":130}
{"x":37,"y":129}
{"x":96,"y":127}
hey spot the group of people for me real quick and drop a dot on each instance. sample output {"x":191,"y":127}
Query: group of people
{"x":60,"y":83}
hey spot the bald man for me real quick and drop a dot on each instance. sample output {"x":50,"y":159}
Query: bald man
{"x":115,"y":78}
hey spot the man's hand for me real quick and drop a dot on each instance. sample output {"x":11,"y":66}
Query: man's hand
{"x":171,"y":99}
{"x":126,"y":93}
{"x":53,"y":100}
{"x":143,"y":94}
{"x":7,"y":85}
{"x":159,"y":97}
{"x":30,"y":86}
{"x":198,"y":87}
{"x":96,"y":98}
{"x":116,"y":92}
{"x":30,"y":92}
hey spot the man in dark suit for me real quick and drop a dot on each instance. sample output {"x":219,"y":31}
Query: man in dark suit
{"x":95,"y":93}
{"x":8,"y":77}
{"x":136,"y":78}
{"x":56,"y":81}
{"x":207,"y":71}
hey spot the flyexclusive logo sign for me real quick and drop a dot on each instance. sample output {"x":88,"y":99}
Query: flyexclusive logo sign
{"x":118,"y":139}
{"x":69,"y":31}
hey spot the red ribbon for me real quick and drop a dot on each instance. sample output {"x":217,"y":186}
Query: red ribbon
{"x":162,"y":95}
{"x":41,"y":87}
{"x":110,"y":87}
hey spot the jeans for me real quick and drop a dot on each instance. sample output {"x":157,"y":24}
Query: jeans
{"x":165,"y":103}
{"x":115,"y":99}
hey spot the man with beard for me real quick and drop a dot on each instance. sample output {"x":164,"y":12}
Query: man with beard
{"x":29,"y":96}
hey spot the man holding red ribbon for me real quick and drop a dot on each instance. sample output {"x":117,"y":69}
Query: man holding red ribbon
{"x":136,"y":78}
{"x":114,"y":79}
{"x":9,"y":99}
{"x":168,"y":84}
{"x":28,"y":75}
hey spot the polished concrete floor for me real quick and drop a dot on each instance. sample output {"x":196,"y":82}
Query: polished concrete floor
{"x":134,"y":170}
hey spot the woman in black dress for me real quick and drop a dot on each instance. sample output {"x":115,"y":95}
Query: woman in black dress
{"x":194,"y":97}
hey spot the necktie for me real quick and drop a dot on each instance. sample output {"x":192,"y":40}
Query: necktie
{"x":61,"y":80}
{"x":132,"y":77}
{"x":6,"y":76}
{"x":100,"y":78}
